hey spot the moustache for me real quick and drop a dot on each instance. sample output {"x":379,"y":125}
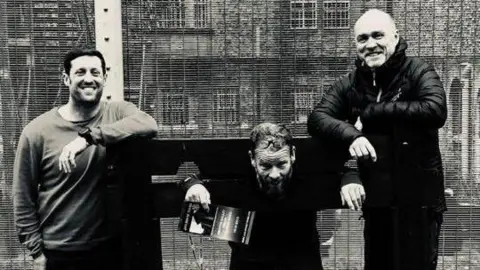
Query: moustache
{"x":275,"y":182}
{"x":373,"y":52}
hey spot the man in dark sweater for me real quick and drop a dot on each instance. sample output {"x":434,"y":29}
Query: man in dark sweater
{"x":281,"y":238}
{"x":59,"y":196}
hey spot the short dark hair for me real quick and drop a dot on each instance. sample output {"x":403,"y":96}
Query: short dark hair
{"x":275,"y":135}
{"x":75,"y":53}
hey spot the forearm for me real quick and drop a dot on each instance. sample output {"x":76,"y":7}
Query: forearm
{"x":426,"y":108}
{"x":323,"y":125}
{"x":329,"y":117}
{"x":427,"y":113}
{"x":139,"y":124}
{"x":25,"y":213}
{"x":25,"y":195}
{"x":26,"y":216}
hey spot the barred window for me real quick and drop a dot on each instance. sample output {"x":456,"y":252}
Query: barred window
{"x":305,"y":97}
{"x":171,"y":13}
{"x":200,"y":13}
{"x":182,"y":13}
{"x":336,"y":14}
{"x":455,"y":97}
{"x":226,"y":106}
{"x":303,"y":14}
{"x":175,"y":110}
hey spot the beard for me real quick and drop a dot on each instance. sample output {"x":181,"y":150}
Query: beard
{"x":375,"y":61}
{"x":276,"y":190}
{"x":80,"y":99}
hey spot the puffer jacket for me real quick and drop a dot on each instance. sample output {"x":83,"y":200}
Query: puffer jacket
{"x":401,"y":108}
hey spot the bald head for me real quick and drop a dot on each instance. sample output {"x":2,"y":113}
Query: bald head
{"x":376,"y":37}
{"x":376,"y":17}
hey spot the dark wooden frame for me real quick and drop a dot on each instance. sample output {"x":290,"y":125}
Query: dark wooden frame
{"x":138,"y":203}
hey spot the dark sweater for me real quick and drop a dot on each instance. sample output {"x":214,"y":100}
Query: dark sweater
{"x":60,"y":211}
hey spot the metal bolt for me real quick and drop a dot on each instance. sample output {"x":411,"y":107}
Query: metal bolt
{"x":106,"y":38}
{"x":105,"y":9}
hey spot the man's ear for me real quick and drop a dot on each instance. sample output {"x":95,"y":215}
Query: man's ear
{"x":292,"y":154}
{"x":252,"y":158}
{"x":396,"y":36}
{"x":66,"y":79}
{"x":105,"y":76}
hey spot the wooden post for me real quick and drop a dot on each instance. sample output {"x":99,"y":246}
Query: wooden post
{"x":108,"y":33}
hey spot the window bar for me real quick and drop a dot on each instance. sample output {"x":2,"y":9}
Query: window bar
{"x":184,"y":95}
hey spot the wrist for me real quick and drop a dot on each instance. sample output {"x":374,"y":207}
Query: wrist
{"x":37,"y":254}
{"x":86,"y":133}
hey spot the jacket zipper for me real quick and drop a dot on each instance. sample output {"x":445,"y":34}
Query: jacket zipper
{"x":379,"y":89}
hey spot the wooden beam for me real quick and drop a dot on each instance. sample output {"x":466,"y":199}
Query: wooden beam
{"x":108,"y":33}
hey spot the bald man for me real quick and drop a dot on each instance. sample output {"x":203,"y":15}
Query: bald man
{"x":386,"y":114}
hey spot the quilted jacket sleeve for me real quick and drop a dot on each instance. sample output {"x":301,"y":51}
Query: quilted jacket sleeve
{"x":429,"y":109}
{"x":329,"y":117}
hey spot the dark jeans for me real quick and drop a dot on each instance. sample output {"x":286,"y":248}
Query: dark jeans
{"x":401,"y":239}
{"x":308,"y":260}
{"x":107,"y":256}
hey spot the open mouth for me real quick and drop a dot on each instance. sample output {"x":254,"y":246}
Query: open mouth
{"x":373,"y":54}
{"x":88,"y":88}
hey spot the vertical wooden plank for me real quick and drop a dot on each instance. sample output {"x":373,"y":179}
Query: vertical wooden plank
{"x":108,"y":37}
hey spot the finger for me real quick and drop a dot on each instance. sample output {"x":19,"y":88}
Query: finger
{"x":363,"y":195}
{"x":341,"y":197}
{"x":372,"y":152}
{"x":348,"y":200}
{"x":61,"y":158}
{"x":352,"y":153}
{"x":353,"y":198}
{"x":358,"y":152}
{"x":207,"y":200}
{"x":66,"y":165}
{"x":358,"y":198}
{"x":71,"y":159}
{"x":62,"y":165}
{"x":205,"y":206}
{"x":364,"y":151}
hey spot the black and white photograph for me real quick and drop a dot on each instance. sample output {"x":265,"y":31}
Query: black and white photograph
{"x":240,"y":134}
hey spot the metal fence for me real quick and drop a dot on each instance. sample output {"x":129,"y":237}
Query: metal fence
{"x":215,"y":68}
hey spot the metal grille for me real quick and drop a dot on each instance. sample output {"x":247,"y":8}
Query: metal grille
{"x":34,"y":36}
{"x":215,"y":68}
{"x":279,"y":56}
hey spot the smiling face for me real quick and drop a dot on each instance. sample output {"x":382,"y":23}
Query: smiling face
{"x":85,"y":80}
{"x":375,"y":37}
{"x":274,"y":169}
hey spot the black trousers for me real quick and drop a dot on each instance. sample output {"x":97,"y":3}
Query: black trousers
{"x":107,"y":256}
{"x":401,"y":238}
{"x":307,"y":260}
